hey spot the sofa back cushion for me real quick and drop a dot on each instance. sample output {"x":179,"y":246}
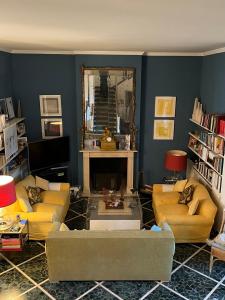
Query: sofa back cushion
{"x":206,"y":206}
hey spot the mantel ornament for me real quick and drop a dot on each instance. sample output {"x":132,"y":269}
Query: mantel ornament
{"x":107,"y":141}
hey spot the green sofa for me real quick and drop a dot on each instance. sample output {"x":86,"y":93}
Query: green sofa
{"x":110,"y":255}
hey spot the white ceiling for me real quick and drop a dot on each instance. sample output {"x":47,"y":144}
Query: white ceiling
{"x":112,"y":25}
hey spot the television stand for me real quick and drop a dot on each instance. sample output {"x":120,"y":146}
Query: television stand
{"x":59,"y":173}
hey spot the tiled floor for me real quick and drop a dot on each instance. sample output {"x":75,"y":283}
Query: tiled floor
{"x":27,"y":272}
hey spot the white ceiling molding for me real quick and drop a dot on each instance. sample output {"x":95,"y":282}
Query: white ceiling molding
{"x":41,"y":52}
{"x":149,"y":53}
{"x":79,"y":52}
{"x":216,"y":51}
{"x":139,"y":53}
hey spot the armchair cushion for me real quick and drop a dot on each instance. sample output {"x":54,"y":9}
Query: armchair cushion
{"x":193,"y":207}
{"x":34,"y":194}
{"x":49,"y":208}
{"x":42,"y":183}
{"x":186,"y":195}
{"x":180,"y":185}
{"x":54,"y":197}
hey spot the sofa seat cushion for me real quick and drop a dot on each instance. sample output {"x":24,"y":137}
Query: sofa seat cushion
{"x":172,"y":209}
{"x":57,"y":210}
{"x":54,"y":197}
{"x":165,"y":198}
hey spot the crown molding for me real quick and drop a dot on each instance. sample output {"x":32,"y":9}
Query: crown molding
{"x":149,"y":53}
{"x":5,"y":50}
{"x":78,"y":52}
{"x":215,"y":51}
{"x":139,"y":53}
{"x":41,"y":52}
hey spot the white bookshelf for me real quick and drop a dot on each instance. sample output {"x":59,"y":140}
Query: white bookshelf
{"x":196,"y":171}
{"x":6,"y":164}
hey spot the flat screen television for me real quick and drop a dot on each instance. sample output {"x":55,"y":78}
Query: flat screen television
{"x":48,"y":153}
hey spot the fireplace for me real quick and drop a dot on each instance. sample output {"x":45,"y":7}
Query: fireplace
{"x":107,"y":169}
{"x":108,"y":173}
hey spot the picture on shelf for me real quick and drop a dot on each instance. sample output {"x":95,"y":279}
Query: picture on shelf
{"x":165,"y":106}
{"x":3,"y":108}
{"x":51,"y":128}
{"x":50,"y":105}
{"x":163,"y":129}
{"x":10,"y":109}
{"x":10,"y":141}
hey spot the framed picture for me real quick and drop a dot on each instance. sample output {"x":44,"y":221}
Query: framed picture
{"x":50,"y":105}
{"x":10,"y":141}
{"x":165,"y":107}
{"x":51,"y":128}
{"x":3,"y":108}
{"x":10,"y":109}
{"x":163,"y":129}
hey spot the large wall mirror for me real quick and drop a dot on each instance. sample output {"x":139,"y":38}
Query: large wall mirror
{"x":108,"y":101}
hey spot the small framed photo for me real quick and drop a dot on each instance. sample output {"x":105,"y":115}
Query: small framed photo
{"x":50,"y":105}
{"x":163,"y":129}
{"x":165,"y":107}
{"x":3,"y":108}
{"x":51,"y":128}
{"x":10,"y":109}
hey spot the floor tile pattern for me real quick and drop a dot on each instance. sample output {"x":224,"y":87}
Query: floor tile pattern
{"x":27,"y":271}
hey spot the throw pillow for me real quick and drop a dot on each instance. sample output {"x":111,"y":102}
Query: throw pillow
{"x":193,"y":207}
{"x":64,"y":227}
{"x":180,"y":185}
{"x":186,"y":195}
{"x":34,"y":194}
{"x":42,"y":183}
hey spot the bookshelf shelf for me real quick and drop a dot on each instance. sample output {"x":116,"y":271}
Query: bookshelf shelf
{"x":208,"y":164}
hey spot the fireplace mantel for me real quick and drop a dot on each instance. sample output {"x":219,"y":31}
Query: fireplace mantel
{"x":87,"y":154}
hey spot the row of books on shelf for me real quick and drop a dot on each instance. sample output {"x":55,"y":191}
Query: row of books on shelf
{"x":214,"y":122}
{"x":207,"y":155}
{"x":7,"y":242}
{"x":210,"y":175}
{"x":214,"y":142}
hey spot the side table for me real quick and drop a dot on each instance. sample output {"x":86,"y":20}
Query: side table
{"x":14,"y":238}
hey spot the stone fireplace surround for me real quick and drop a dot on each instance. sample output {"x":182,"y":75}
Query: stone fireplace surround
{"x":88,"y":154}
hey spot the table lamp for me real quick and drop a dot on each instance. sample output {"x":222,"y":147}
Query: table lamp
{"x":7,"y":197}
{"x":176,"y":161}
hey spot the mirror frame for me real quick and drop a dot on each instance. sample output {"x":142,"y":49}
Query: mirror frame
{"x":132,"y":125}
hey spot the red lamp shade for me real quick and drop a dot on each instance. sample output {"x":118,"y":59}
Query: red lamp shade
{"x":176,"y":160}
{"x":7,"y":191}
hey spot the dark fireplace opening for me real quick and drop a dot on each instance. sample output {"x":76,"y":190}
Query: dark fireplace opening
{"x":108,"y":173}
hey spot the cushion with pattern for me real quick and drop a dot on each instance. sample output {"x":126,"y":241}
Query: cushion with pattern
{"x":186,"y":195}
{"x":34,"y":194}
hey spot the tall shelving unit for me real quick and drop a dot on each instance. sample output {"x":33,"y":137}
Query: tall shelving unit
{"x":16,"y":164}
{"x":209,"y":167}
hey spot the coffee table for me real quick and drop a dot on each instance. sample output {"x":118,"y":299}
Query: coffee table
{"x":101,"y":218}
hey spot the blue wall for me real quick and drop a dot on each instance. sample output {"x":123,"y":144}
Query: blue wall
{"x":5,"y":75}
{"x":213,"y":83}
{"x":33,"y":75}
{"x":167,"y":76}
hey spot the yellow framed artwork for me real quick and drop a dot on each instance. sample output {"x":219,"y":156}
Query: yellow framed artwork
{"x":165,"y":107}
{"x":163,"y":129}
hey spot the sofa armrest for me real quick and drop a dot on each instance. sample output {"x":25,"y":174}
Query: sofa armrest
{"x":158,"y":187}
{"x":59,"y":186}
{"x":44,"y":217}
{"x":187,"y":220}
